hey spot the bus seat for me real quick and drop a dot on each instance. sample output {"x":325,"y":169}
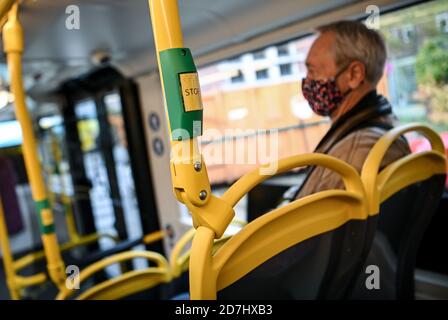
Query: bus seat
{"x":126,"y":284}
{"x":304,"y":250}
{"x":402,"y":198}
{"x":136,"y":281}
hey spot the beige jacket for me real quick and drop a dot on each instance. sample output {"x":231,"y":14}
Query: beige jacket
{"x":353,"y":149}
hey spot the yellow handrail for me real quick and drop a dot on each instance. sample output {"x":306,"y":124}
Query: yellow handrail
{"x":434,"y":163}
{"x":118,"y":258}
{"x":68,"y":210}
{"x":7,"y":256}
{"x":13,"y":44}
{"x":14,"y":281}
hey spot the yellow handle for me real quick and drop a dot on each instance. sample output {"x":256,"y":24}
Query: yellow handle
{"x":8,"y":261}
{"x":375,"y":157}
{"x":253,"y":178}
{"x":176,"y":260}
{"x":179,"y":260}
{"x":153,"y":237}
{"x":82,"y":241}
{"x":121,"y":257}
{"x":161,"y":262}
{"x":403,"y":172}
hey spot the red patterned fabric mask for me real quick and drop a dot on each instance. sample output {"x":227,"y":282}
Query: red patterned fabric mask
{"x":323,"y":96}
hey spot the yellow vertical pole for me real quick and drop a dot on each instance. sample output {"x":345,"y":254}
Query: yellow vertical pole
{"x":13,"y":45}
{"x":66,"y":201}
{"x":7,"y":257}
{"x":69,"y":217}
{"x":166,"y":24}
{"x":167,"y":33}
{"x":191,"y":185}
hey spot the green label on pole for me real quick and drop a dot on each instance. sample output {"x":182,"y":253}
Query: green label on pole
{"x":182,"y":93}
{"x":46,"y":223}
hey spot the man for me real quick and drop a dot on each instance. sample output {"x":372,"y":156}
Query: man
{"x":345,"y":64}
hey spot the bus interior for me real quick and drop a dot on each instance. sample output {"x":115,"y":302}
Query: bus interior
{"x":87,"y":142}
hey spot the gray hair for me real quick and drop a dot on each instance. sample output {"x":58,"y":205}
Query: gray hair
{"x":354,"y":41}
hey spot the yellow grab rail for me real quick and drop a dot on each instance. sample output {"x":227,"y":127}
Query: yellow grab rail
{"x":14,"y":281}
{"x":161,"y":262}
{"x":396,"y":176}
{"x":13,"y":45}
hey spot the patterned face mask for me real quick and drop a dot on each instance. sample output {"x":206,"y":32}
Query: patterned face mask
{"x":323,"y":96}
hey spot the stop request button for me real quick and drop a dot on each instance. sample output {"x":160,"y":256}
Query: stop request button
{"x":191,"y":91}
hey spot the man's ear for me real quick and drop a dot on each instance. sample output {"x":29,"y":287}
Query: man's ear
{"x":356,"y":74}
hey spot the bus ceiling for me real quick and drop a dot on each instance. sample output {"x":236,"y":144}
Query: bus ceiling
{"x":120,"y":29}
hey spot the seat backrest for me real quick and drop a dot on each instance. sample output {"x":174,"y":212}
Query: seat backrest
{"x":290,"y":252}
{"x":136,"y":281}
{"x":124,"y":285}
{"x":404,"y":196}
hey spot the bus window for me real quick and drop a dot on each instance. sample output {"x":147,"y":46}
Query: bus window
{"x":254,"y":102}
{"x":125,"y":180}
{"x":105,"y":199}
{"x":416,"y":74}
{"x":10,"y":134}
{"x":257,"y":94}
